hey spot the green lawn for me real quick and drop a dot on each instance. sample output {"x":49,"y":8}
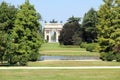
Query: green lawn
{"x":54,"y":49}
{"x":72,"y":63}
{"x":56,"y":46}
{"x":95,"y":74}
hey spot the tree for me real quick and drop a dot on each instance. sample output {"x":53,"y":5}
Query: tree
{"x":89,"y":26}
{"x":115,"y":35}
{"x":70,"y":34}
{"x":2,"y":46}
{"x":74,"y":19}
{"x":105,"y":16}
{"x":116,"y":23}
{"x":26,"y":38}
{"x":109,"y":30}
{"x":7,"y":18}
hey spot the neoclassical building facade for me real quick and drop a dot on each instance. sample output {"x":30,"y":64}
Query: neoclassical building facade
{"x":52,"y":31}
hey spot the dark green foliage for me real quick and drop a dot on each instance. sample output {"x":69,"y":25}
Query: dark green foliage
{"x":103,"y":56}
{"x":7,"y":18}
{"x":107,"y":56}
{"x":13,"y":59}
{"x":2,"y":46}
{"x":89,"y":26}
{"x":73,"y":19}
{"x":77,"y":40}
{"x":71,"y":32}
{"x":118,"y":57}
{"x":91,"y":47}
{"x":33,"y":56}
{"x":83,"y":45}
{"x":110,"y":56}
{"x":23,"y":60}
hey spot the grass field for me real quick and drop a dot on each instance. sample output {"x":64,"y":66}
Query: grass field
{"x":72,"y":63}
{"x":54,"y":49}
{"x":95,"y":74}
{"x":63,"y":74}
{"x":56,"y":46}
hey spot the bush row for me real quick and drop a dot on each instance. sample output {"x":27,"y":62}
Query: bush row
{"x":92,"y":47}
{"x":110,"y":56}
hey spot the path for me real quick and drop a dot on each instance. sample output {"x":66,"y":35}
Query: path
{"x":60,"y":68}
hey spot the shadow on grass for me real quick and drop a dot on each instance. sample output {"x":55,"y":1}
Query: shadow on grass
{"x":8,"y":65}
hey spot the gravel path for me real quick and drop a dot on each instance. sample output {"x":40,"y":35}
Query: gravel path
{"x":60,"y":68}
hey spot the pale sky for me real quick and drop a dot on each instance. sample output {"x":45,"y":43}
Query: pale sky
{"x":60,"y":10}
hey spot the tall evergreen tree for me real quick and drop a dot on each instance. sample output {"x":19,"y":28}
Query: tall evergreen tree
{"x":105,"y":16}
{"x":116,"y":29}
{"x":7,"y":18}
{"x":25,"y":35}
{"x":89,"y":26}
{"x":109,"y":30}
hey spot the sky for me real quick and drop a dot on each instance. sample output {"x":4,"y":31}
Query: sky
{"x":60,"y":10}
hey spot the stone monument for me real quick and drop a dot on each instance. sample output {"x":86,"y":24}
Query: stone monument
{"x":52,"y":31}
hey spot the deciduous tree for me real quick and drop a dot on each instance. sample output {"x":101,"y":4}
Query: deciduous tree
{"x":71,"y":32}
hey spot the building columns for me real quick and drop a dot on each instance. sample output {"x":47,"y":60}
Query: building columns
{"x":52,"y":27}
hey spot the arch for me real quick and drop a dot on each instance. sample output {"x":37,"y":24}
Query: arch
{"x":52,"y":31}
{"x":47,"y":38}
{"x":53,"y":36}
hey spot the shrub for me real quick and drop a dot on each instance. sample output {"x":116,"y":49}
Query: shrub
{"x":103,"y":56}
{"x":92,"y":47}
{"x":34,"y":56}
{"x":13,"y":60}
{"x":23,"y":60}
{"x":118,"y":57}
{"x":107,"y":56}
{"x":83,"y":45}
{"x":110,"y":56}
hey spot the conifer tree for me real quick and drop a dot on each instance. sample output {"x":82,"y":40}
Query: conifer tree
{"x":89,"y":26}
{"x":116,"y":29}
{"x":109,"y":30}
{"x":7,"y":18}
{"x":105,"y":16}
{"x":25,"y":35}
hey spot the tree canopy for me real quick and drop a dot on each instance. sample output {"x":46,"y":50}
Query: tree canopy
{"x":89,"y":26}
{"x":70,"y":34}
{"x":7,"y":18}
{"x":21,"y":39}
{"x":109,"y":29}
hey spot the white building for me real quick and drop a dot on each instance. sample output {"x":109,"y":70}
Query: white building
{"x":52,"y":31}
